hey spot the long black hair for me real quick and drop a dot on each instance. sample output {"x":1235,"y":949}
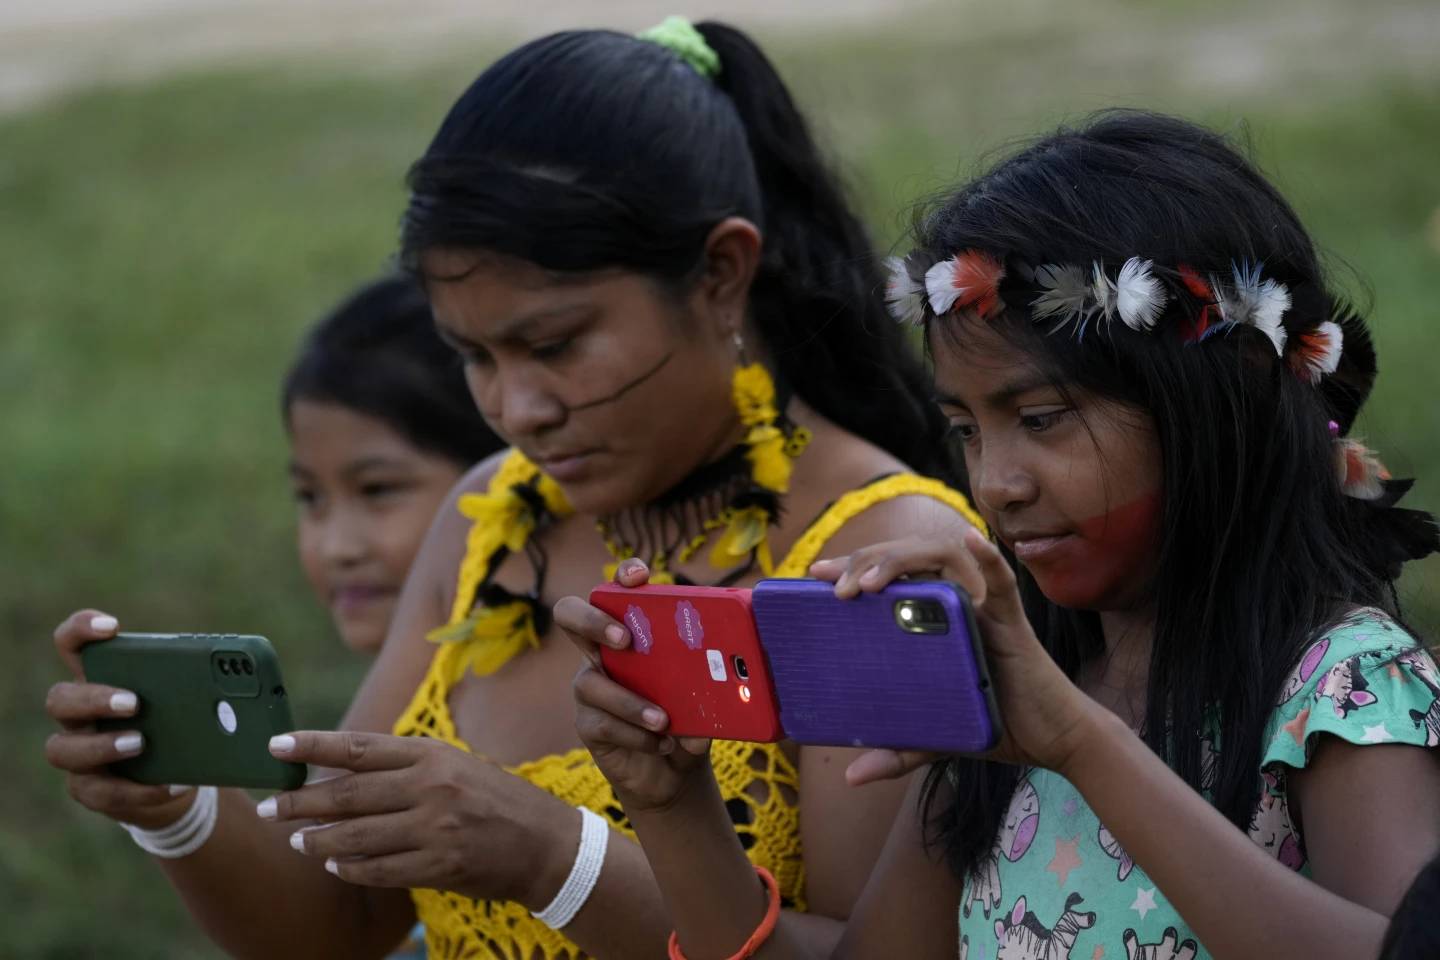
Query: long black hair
{"x":591,"y":149}
{"x":378,"y":353}
{"x":1260,"y":548}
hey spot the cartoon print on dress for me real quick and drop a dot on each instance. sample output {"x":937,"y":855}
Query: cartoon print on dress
{"x":1345,"y":685}
{"x":1022,"y":937}
{"x":1423,"y":667}
{"x":1304,"y":670}
{"x":1166,"y":949}
{"x":1017,"y":832}
{"x":1112,"y":847}
{"x":1270,"y":826}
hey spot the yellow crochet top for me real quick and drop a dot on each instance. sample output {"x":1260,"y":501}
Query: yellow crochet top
{"x":758,"y":781}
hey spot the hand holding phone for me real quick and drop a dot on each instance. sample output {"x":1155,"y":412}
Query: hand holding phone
{"x":899,"y":668}
{"x":695,"y":654}
{"x":1049,"y":721}
{"x":627,"y":735}
{"x":208,"y":705}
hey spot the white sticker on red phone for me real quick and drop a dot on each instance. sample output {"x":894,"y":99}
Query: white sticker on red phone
{"x":716,"y":660}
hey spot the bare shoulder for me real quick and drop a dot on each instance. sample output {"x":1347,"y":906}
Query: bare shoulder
{"x":444,"y":546}
{"x":478,"y":477}
{"x":845,"y":463}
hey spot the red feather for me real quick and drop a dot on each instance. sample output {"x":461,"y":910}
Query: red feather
{"x":1193,"y":330}
{"x":976,"y":276}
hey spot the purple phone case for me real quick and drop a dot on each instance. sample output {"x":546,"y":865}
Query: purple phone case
{"x":845,"y":674}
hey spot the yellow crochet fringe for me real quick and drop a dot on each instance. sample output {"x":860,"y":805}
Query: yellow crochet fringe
{"x":756,"y":775}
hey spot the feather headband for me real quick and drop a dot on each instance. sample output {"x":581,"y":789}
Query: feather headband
{"x":1074,"y":298}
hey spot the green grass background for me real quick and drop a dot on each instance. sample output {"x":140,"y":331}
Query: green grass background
{"x":162,"y":245}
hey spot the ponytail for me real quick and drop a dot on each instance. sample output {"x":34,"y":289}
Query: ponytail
{"x":817,"y":293}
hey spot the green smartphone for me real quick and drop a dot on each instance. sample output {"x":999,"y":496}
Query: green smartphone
{"x":209,"y":704}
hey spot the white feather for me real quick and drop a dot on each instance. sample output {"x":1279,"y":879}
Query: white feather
{"x":1064,"y":294}
{"x":1104,"y":292}
{"x":1312,"y":364}
{"x":1329,"y":360}
{"x":1259,"y":303}
{"x":940,"y":285}
{"x":1139,"y":297}
{"x":903,"y":294}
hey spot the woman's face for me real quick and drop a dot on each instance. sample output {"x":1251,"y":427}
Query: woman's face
{"x":615,"y":389}
{"x":1068,"y":481}
{"x":366,"y":497}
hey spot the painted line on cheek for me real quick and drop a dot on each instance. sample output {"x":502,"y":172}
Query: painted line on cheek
{"x":625,"y":388}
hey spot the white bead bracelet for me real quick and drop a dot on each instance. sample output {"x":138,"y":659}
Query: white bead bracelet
{"x":594,"y":839}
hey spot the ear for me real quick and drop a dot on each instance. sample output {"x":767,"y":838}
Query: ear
{"x":1018,"y":913}
{"x":999,"y":930}
{"x":1313,"y":658}
{"x":1362,"y":698}
{"x":732,"y":255}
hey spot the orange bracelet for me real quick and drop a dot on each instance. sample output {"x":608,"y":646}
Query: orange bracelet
{"x":762,"y":932}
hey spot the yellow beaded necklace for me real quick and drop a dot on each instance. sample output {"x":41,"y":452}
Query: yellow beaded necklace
{"x":497,"y":624}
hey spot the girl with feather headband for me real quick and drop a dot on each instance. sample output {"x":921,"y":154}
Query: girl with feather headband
{"x":1217,"y":724}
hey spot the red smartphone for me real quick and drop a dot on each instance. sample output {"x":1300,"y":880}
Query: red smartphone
{"x":695,"y":653}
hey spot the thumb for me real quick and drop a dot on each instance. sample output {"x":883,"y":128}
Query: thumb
{"x":632,"y":573}
{"x":695,"y":746}
{"x":874,"y":765}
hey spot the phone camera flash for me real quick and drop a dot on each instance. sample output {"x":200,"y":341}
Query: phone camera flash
{"x":744,"y":693}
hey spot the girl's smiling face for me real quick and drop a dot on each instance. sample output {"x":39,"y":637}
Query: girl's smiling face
{"x":1067,"y":480}
{"x":366,"y":496}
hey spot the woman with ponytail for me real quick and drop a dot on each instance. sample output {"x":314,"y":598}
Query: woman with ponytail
{"x":665,"y":306}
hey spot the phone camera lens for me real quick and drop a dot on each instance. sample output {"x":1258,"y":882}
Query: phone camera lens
{"x":741,"y":670}
{"x":248,"y":667}
{"x":224,"y":666}
{"x":921,"y":616}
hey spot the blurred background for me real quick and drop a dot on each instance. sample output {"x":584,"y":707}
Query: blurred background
{"x":185,"y":184}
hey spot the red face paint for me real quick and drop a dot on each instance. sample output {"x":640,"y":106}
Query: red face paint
{"x":1105,"y":561}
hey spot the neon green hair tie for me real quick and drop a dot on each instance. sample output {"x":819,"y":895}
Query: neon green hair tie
{"x":680,"y":37}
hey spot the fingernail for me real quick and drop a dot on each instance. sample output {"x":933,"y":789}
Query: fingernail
{"x":282,"y":744}
{"x":266,"y":809}
{"x":871,"y":575}
{"x":615,"y":634}
{"x":123,"y":702}
{"x":332,"y":866}
{"x":667,"y":746}
{"x":128,"y":743}
{"x":297,"y":841}
{"x":654,"y":718}
{"x":104,"y":623}
{"x":178,"y":788}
